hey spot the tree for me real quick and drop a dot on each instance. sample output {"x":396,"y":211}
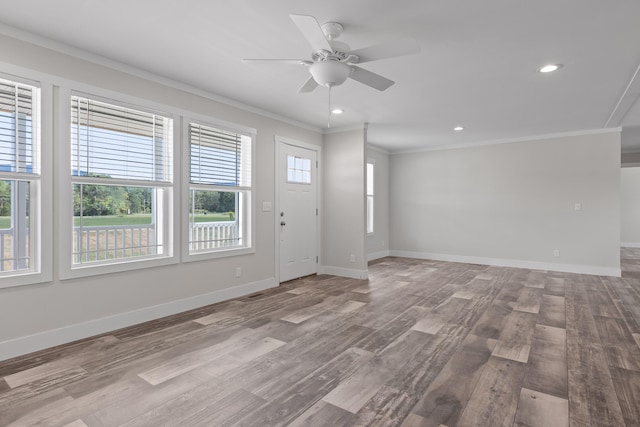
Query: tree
{"x":227,"y":202}
{"x":138,"y":199}
{"x":212,"y":200}
{"x":99,"y":200}
{"x":5,"y":198}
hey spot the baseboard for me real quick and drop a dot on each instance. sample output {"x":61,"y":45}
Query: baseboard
{"x":377,"y":255}
{"x":351,"y":273}
{"x":630,"y":244}
{"x":41,"y":340}
{"x":498,"y":262}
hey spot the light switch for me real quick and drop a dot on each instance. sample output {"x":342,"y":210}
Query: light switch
{"x":266,"y":207}
{"x":578,"y":207}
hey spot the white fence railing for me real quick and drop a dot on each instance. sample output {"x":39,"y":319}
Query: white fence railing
{"x":96,"y":243}
{"x":14,"y":254}
{"x":6,"y":249}
{"x":213,"y":235}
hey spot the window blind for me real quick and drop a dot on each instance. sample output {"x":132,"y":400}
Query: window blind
{"x":18,"y":113}
{"x":112,"y":141}
{"x":219,"y":157}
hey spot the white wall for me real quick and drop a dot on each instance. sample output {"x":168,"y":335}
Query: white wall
{"x":378,"y":243}
{"x":630,"y":207}
{"x":512,"y":204}
{"x":630,"y":159}
{"x":344,"y":209}
{"x":39,"y":316}
{"x":631,"y":140}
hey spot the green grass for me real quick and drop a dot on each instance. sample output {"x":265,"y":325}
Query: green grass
{"x":89,"y":221}
{"x":96,"y":221}
{"x":211,"y":217}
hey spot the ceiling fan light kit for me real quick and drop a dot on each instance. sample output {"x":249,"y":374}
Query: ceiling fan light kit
{"x":330,"y":73}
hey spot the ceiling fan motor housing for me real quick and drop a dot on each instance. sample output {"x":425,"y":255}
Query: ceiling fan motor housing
{"x":332,"y":30}
{"x":330,"y":73}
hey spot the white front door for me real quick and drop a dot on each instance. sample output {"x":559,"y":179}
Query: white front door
{"x":297,"y":216}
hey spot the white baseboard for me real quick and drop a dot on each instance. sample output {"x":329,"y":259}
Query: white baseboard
{"x":41,"y":340}
{"x":498,"y":262}
{"x":377,"y":255}
{"x":351,"y":273}
{"x":630,"y":244}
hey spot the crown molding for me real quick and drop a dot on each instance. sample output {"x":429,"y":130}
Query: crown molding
{"x":346,"y":128}
{"x":378,"y":149}
{"x":84,"y":55}
{"x":509,"y":140}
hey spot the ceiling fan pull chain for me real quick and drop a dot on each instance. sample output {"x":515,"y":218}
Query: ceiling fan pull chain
{"x":329,"y":119}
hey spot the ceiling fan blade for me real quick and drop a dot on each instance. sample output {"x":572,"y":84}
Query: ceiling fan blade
{"x":368,"y":78}
{"x":277,"y":61}
{"x":310,"y":29}
{"x":392,"y":49}
{"x":308,"y":86}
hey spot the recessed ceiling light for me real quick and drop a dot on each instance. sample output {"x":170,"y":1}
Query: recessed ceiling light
{"x":458,"y":128}
{"x":337,"y":111}
{"x":549,"y":68}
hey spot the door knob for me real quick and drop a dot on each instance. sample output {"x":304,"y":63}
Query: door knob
{"x":283,"y":223}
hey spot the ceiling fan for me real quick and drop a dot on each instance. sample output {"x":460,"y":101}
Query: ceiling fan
{"x":332,"y":62}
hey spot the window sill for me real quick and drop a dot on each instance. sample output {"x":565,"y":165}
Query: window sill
{"x":222,"y":253}
{"x":24,"y":279}
{"x":116,"y":267}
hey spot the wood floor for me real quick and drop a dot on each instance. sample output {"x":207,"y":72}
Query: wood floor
{"x":423,"y":343}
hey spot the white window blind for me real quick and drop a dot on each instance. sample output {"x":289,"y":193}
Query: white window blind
{"x":219,"y":157}
{"x":121,"y":171}
{"x":220,"y":189}
{"x":19,"y":177}
{"x":112,"y":141}
{"x":18,"y":107}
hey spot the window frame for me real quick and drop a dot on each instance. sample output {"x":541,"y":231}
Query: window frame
{"x":67,"y":269}
{"x":250,"y":209}
{"x":370,"y":196}
{"x":40,"y":193}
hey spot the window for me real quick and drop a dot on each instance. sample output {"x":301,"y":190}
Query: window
{"x":298,"y":170}
{"x":121,"y":181}
{"x":370,"y":198}
{"x":20,"y":185}
{"x":219,"y":189}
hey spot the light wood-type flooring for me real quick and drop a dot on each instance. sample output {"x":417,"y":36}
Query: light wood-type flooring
{"x":422,"y":343}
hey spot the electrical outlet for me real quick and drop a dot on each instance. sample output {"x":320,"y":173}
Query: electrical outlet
{"x":353,"y":258}
{"x":556,"y":252}
{"x":238,"y":271}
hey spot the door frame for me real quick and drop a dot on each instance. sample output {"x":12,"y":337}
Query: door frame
{"x":278,"y":140}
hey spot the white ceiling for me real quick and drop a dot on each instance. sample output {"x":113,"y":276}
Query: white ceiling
{"x":477,"y":67}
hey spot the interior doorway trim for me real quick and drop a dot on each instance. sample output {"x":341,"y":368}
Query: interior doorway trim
{"x":276,"y":218}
